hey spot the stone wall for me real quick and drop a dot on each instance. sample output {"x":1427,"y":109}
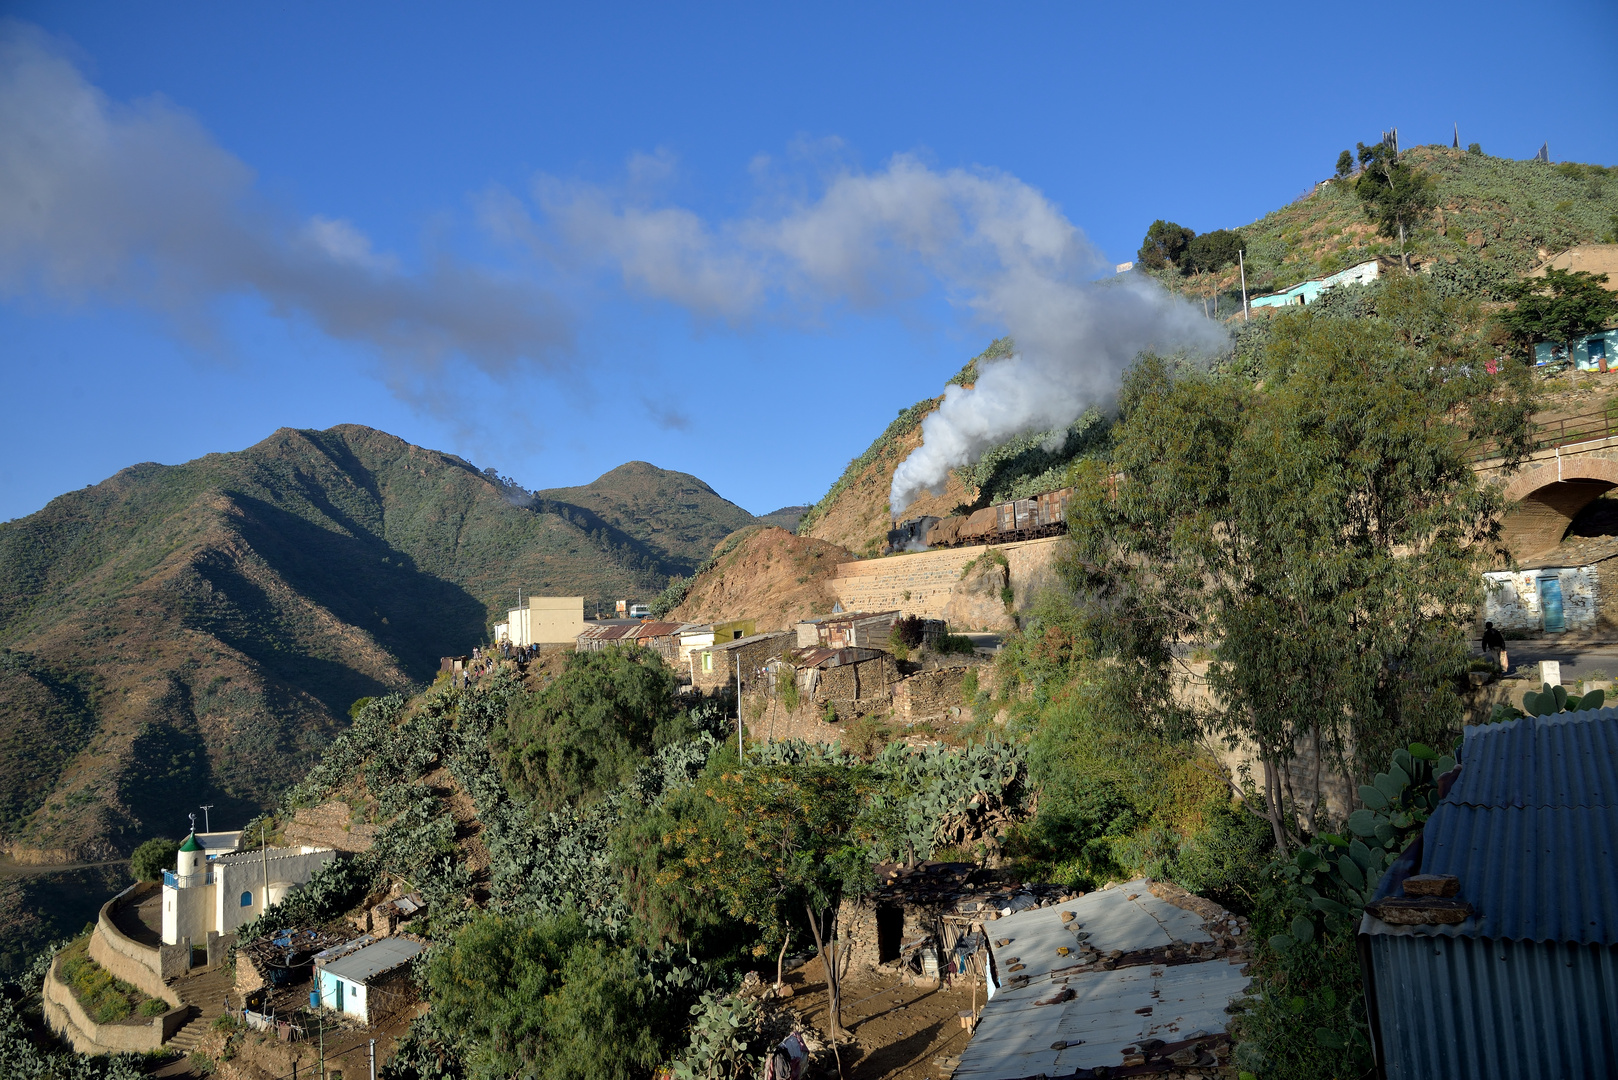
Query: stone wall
{"x":1511,"y":599}
{"x":754,"y":655}
{"x":67,"y":1018}
{"x":129,"y":960}
{"x":929,"y":583}
{"x":855,"y":689}
{"x":328,"y":825}
{"x":929,"y":695}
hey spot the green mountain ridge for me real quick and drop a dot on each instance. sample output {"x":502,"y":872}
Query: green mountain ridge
{"x":196,"y":633}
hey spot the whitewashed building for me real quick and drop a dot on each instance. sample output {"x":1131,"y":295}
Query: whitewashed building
{"x":1549,"y":598}
{"x":214,"y":894}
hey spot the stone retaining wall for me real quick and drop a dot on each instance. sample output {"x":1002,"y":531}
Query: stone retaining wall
{"x":129,"y":960}
{"x":929,"y":583}
{"x":929,"y":695}
{"x":328,"y":825}
{"x":67,"y":1018}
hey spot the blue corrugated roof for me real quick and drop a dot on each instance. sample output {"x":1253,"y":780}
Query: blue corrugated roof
{"x":1531,"y":830}
{"x":1570,"y":759}
{"x":1540,"y":874}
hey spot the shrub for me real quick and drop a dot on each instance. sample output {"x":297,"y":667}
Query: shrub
{"x":154,"y":1007}
{"x":539,"y":997}
{"x":867,"y":735}
{"x":589,"y":730}
{"x":152,"y":858}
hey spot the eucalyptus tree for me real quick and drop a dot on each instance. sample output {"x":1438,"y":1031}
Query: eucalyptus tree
{"x":1315,"y":525}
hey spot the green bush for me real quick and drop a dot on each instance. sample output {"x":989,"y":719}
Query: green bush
{"x":152,"y":858}
{"x":154,"y":1007}
{"x":589,"y":730}
{"x":541,"y":998}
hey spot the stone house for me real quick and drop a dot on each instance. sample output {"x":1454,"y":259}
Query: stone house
{"x":930,"y":695}
{"x":859,"y":629}
{"x":916,"y":917}
{"x":716,"y":667}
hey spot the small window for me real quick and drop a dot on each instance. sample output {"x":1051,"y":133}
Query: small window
{"x":707,"y":661}
{"x":247,"y":899}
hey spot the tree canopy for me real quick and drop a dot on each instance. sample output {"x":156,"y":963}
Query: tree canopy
{"x":1165,"y":245}
{"x":1561,"y":307}
{"x":1318,"y":529}
{"x":1397,"y":196}
{"x":152,"y":858}
{"x":540,"y":998}
{"x":786,"y":840}
{"x":589,"y":730}
{"x":1212,"y":251}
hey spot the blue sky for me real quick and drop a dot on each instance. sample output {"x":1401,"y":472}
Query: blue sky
{"x":732,"y":240}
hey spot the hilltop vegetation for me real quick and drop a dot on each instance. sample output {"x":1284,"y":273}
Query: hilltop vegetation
{"x":1493,"y":219}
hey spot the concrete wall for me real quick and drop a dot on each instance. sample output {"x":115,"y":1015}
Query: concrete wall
{"x":929,"y":583}
{"x":1511,"y":599}
{"x":243,"y":874}
{"x":546,"y":620}
{"x":67,"y":1018}
{"x":188,"y":914}
{"x":136,"y":964}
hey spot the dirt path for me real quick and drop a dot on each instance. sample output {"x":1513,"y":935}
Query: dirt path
{"x":12,"y":868}
{"x":899,"y":1030}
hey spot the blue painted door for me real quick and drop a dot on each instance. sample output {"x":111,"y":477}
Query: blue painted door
{"x":1550,"y":603}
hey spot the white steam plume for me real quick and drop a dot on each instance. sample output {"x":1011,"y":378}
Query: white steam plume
{"x":1074,"y":341}
{"x":990,"y":242}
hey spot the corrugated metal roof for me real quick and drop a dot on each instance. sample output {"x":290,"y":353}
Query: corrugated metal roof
{"x":823,"y":656}
{"x":655,"y":629}
{"x":1110,"y":1010}
{"x":1530,"y":829}
{"x":1014,"y":1036}
{"x":374,"y":960}
{"x":754,"y":639}
{"x":608,"y":632}
{"x":1476,"y":1009}
{"x":1570,"y":759}
{"x":1541,"y":874}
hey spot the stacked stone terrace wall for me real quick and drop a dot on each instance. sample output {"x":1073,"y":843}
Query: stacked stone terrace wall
{"x":925,"y":583}
{"x":328,"y":825}
{"x":67,"y":1018}
{"x":139,"y":965}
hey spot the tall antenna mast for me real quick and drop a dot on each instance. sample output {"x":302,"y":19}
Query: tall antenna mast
{"x":206,"y":824}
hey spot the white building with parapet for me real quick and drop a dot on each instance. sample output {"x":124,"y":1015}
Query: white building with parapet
{"x":208,"y":893}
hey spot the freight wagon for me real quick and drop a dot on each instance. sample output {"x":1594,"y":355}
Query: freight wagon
{"x":1022,"y":519}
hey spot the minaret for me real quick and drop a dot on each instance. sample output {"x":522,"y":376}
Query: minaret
{"x":192,"y":868}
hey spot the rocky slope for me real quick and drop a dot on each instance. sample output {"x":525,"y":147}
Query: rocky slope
{"x":770,"y":575}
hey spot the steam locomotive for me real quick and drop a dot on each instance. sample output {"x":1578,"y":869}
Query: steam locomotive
{"x":1023,"y":519}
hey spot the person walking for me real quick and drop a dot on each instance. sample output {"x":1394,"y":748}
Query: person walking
{"x":1494,"y":641}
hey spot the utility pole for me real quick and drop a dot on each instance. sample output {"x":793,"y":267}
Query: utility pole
{"x":373,"y":1059}
{"x":322,"y":1033}
{"x":1241,"y":258}
{"x":206,"y":825}
{"x":264,"y":854}
{"x":741,"y":751}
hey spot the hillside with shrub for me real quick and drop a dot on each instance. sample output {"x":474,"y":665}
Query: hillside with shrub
{"x":197,"y":633}
{"x":1491,"y":219}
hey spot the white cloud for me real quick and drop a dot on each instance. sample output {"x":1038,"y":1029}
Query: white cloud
{"x":136,"y":204}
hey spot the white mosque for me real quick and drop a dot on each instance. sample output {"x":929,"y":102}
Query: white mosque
{"x":217,"y":886}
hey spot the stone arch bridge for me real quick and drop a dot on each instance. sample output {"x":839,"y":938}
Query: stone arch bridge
{"x":1574,"y":463}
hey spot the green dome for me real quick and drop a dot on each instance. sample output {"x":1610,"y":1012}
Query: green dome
{"x":191,"y":844}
